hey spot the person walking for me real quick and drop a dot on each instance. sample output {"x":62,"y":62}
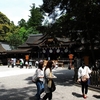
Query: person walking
{"x":83,"y":78}
{"x":9,"y":62}
{"x":30,"y":63}
{"x":39,"y":82}
{"x":36,"y":64}
{"x":26,"y":64}
{"x":47,"y":81}
{"x":22,"y":63}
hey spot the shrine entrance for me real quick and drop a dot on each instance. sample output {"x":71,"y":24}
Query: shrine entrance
{"x":54,"y":56}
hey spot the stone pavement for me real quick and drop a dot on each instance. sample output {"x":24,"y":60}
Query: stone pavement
{"x":16,"y":84}
{"x":5,"y":71}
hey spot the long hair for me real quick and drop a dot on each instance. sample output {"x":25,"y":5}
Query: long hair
{"x":83,"y":64}
{"x":40,"y":66}
{"x":49,"y":65}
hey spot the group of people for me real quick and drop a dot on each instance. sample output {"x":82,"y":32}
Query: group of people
{"x":11,"y":62}
{"x":45,"y":75}
{"x":44,"y":78}
{"x":19,"y":62}
{"x":28,"y":64}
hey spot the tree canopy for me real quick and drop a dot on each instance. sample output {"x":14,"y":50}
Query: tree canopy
{"x":4,"y":26}
{"x":17,"y":35}
{"x":76,"y":19}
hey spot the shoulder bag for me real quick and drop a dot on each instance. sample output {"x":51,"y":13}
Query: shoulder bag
{"x":35,"y":77}
{"x":85,"y":77}
{"x":51,"y":83}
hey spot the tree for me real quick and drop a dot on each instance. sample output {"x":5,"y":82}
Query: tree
{"x":80,"y":19}
{"x":22,"y":23}
{"x":36,"y":17}
{"x":4,"y":26}
{"x":14,"y":40}
{"x":17,"y":37}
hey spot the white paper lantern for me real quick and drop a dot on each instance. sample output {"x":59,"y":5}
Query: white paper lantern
{"x":44,"y":51}
{"x":58,"y":50}
{"x":50,"y":50}
{"x":66,"y":50}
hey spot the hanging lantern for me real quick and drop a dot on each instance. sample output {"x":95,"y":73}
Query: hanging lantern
{"x":50,"y":50}
{"x":44,"y":51}
{"x":27,"y":57}
{"x":70,"y":56}
{"x":58,"y":50}
{"x":66,"y":50}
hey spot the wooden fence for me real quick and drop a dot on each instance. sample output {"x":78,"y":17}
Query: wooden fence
{"x":95,"y":78}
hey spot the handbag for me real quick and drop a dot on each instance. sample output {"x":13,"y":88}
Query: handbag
{"x":51,"y":83}
{"x":78,"y":80}
{"x":53,"y":86}
{"x":35,"y":77}
{"x":85,"y":77}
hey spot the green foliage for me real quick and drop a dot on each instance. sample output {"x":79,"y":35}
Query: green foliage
{"x":74,"y":16}
{"x":22,"y":23}
{"x":36,"y":17}
{"x":21,"y":33}
{"x":14,"y":40}
{"x":32,"y":30}
{"x":4,"y":26}
{"x":16,"y":35}
{"x":77,"y":19}
{"x":4,"y":19}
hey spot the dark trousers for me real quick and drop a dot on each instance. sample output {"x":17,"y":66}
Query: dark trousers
{"x":48,"y":95}
{"x":84,"y":87}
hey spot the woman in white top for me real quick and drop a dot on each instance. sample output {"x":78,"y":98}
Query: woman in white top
{"x":84,"y":70}
{"x":47,"y":78}
{"x":39,"y":83}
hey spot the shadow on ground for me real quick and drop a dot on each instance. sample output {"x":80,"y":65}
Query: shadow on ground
{"x":64,"y":77}
{"x":77,"y":95}
{"x":17,"y":94}
{"x":96,"y":96}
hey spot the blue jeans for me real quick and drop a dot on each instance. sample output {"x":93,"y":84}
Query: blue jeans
{"x":40,"y":89}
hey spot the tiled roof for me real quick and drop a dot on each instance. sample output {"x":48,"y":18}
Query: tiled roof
{"x":5,"y":46}
{"x":36,"y":40}
{"x":2,"y":49}
{"x":43,"y":40}
{"x":34,"y":37}
{"x":19,"y":50}
{"x":24,"y":45}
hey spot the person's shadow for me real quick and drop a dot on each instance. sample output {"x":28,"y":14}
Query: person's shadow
{"x":77,"y":94}
{"x":96,"y":96}
{"x":32,"y":98}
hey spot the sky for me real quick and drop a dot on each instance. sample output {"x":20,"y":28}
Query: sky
{"x":15,"y":10}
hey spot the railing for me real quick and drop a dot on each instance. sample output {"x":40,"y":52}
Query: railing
{"x":95,"y":78}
